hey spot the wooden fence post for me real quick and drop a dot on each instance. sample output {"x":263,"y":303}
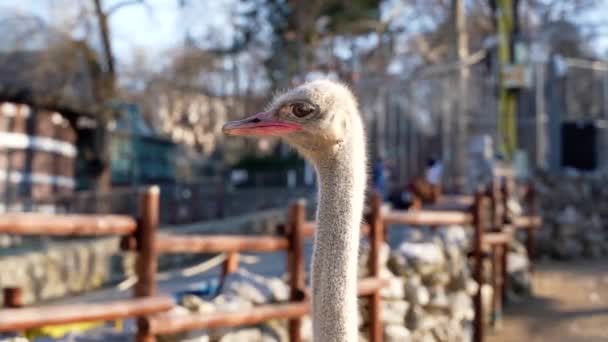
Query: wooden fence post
{"x":531,"y":236}
{"x":497,"y":283}
{"x":146,"y":253}
{"x":499,"y":208}
{"x":478,"y":222}
{"x":229,"y":266}
{"x":506,"y":217}
{"x":376,"y":238}
{"x":295,"y":229}
{"x":13,"y":297}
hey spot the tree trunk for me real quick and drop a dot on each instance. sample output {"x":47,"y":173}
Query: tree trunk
{"x":103,"y":179}
{"x":459,"y":45}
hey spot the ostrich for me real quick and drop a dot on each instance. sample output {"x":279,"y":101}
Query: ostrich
{"x":321,"y":120}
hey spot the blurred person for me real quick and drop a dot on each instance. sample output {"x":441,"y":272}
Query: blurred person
{"x":379,"y":175}
{"x":433,"y":171}
{"x":433,"y":174}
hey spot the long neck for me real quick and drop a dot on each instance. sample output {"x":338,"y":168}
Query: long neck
{"x":342,"y":179}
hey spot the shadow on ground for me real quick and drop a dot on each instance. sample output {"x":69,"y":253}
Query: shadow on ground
{"x":569,"y":304}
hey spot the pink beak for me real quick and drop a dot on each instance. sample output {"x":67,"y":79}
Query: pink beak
{"x":261,"y":124}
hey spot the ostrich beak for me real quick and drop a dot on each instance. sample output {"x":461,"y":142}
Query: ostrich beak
{"x":261,"y":124}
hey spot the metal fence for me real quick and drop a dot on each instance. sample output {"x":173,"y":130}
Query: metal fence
{"x":437,"y":114}
{"x":430,"y":115}
{"x":181,"y":204}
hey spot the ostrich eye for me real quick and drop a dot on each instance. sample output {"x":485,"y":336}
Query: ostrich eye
{"x":301,"y":109}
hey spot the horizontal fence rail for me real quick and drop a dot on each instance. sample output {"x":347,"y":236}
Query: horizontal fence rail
{"x":26,"y":318}
{"x":194,"y":244}
{"x":66,"y":225}
{"x":428,"y":218}
{"x":528,"y":222}
{"x":165,"y":324}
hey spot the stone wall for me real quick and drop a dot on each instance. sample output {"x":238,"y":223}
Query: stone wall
{"x":56,"y":268}
{"x":429,"y":297}
{"x":574,"y":207}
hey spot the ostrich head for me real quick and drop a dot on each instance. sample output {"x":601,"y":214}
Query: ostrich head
{"x":321,"y":120}
{"x":315,"y":118}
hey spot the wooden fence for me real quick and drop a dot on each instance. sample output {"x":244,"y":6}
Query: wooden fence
{"x":494,"y":227}
{"x":150,"y":309}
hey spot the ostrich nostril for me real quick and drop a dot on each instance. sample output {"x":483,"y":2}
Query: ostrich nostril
{"x":255,"y":120}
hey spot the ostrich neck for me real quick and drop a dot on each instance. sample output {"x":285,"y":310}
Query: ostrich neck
{"x":334,"y":277}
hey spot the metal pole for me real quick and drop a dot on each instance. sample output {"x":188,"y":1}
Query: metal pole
{"x":541,"y":116}
{"x":556,"y":104}
{"x":605,"y":95}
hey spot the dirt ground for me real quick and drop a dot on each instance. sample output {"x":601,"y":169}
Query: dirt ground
{"x":569,"y":304}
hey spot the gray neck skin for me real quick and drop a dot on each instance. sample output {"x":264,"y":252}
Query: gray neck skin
{"x":342,"y":179}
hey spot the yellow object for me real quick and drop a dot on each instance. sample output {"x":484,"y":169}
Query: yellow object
{"x":59,"y":331}
{"x":507,"y":101}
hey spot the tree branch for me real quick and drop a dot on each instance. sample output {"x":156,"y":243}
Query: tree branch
{"x":122,"y":4}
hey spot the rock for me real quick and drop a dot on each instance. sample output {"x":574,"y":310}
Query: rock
{"x":487,"y":292}
{"x":394,"y":290}
{"x":385,"y":273}
{"x":394,"y":311}
{"x":194,"y":337}
{"x":454,"y":236}
{"x":573,"y":207}
{"x":423,"y":336}
{"x":426,"y":257}
{"x":461,"y":307}
{"x":13,"y":339}
{"x":249,"y":335}
{"x":362,"y":312}
{"x":441,"y":330}
{"x":437,"y":279}
{"x":197,"y":304}
{"x":520,"y":282}
{"x":274,"y":331}
{"x":418,"y":319}
{"x":396,"y":333}
{"x":406,"y":233}
{"x":399,"y":266}
{"x":439,"y":299}
{"x":517,"y":262}
{"x":190,"y":336}
{"x":471,"y":287}
{"x":231,"y":303}
{"x":514,"y":207}
{"x":255,"y":288}
{"x":279,"y":289}
{"x":363,"y":261}
{"x":417,"y":294}
{"x":306,"y":331}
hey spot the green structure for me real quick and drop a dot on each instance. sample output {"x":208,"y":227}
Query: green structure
{"x":138,"y":155}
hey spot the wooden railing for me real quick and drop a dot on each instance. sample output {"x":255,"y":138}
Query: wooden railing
{"x":493,"y":225}
{"x":141,"y":235}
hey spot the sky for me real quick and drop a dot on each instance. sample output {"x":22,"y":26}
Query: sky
{"x":163,"y":24}
{"x":153,"y":28}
